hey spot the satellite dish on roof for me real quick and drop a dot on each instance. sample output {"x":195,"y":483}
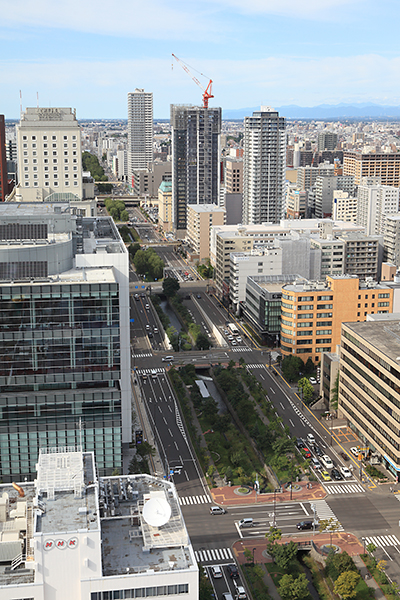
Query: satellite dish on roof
{"x":157,"y":512}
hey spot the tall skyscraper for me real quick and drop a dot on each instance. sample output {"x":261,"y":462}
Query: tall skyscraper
{"x":3,"y":161}
{"x":264,"y":167}
{"x":327,"y":140}
{"x":140,"y":131}
{"x":49,"y":150}
{"x":196,"y":133}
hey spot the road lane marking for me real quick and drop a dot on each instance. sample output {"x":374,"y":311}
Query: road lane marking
{"x":170,"y":432}
{"x":282,"y":405}
{"x":291,"y":422}
{"x":176,"y":446}
{"x":304,"y":508}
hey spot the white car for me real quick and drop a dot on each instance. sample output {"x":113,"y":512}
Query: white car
{"x":327,"y":462}
{"x":354,"y":450}
{"x":312,"y":380}
{"x":238,"y":339}
{"x":345,"y":472}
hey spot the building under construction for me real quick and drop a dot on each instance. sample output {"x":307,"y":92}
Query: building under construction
{"x":196,"y":134}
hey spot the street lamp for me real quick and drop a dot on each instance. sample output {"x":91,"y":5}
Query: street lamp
{"x":313,"y":508}
{"x":275,"y":491}
{"x":254,"y":549}
{"x":363,"y":540}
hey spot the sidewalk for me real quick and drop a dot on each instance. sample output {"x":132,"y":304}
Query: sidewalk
{"x":370,"y":581}
{"x":229,"y":496}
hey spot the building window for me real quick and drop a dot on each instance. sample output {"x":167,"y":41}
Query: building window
{"x":53,"y":137}
{"x":45,"y":137}
{"x":24,"y":137}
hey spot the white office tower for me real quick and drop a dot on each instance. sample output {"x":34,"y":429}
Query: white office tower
{"x":264,"y":167}
{"x":73,"y":535}
{"x":140,"y":131}
{"x":49,"y":150}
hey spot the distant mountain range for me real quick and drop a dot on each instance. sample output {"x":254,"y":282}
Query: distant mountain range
{"x":323,"y":111}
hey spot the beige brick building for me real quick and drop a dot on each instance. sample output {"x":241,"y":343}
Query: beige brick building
{"x":383,"y":165}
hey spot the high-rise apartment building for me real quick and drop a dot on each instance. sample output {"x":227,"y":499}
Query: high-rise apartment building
{"x":140,"y":130}
{"x":49,"y":150}
{"x":196,"y":133}
{"x":264,"y":167}
{"x":327,"y":140}
{"x":64,"y":336}
{"x":3,"y":161}
{"x":383,"y":165}
{"x":374,"y":201}
{"x":234,"y":176}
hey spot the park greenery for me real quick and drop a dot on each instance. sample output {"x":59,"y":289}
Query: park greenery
{"x":205,"y":270}
{"x":246,"y":437}
{"x":148,"y":264}
{"x":191,"y":334}
{"x":140,"y":461}
{"x":377,"y":570}
{"x":116,"y":209}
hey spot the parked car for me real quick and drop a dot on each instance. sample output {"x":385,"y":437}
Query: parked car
{"x":310,"y":438}
{"x":315,"y":463}
{"x":299,"y":443}
{"x":354,"y":450}
{"x":306,"y":452}
{"x":318,"y":451}
{"x":312,"y":380}
{"x":344,"y":455}
{"x":325,"y":476}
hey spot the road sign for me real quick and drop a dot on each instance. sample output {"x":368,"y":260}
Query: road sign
{"x":132,"y":320}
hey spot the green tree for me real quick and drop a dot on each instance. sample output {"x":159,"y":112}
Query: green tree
{"x":346,"y":584}
{"x":205,"y":587}
{"x":273,"y":535}
{"x":170,"y":286}
{"x":336,"y":564}
{"x":292,"y":366}
{"x":371,"y":549}
{"x":330,"y":525}
{"x":248,"y":555}
{"x":202,"y":342}
{"x":308,"y":390}
{"x":293,"y":588}
{"x":124,"y":215}
{"x":283,"y":554}
{"x":133,"y":248}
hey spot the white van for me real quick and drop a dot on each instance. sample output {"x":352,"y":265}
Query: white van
{"x":326,"y":461}
{"x":167,"y":358}
{"x":217,"y":510}
{"x":310,"y":438}
{"x":246,"y":522}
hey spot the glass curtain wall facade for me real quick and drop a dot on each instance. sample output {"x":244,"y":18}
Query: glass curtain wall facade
{"x":59,"y":373}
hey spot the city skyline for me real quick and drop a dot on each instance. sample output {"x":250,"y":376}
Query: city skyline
{"x":271,"y":53}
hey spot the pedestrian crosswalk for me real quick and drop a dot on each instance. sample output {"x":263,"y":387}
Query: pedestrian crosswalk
{"x":216,"y":554}
{"x":324,"y":512}
{"x":188,"y":500}
{"x":242,"y":349}
{"x":150,"y":371}
{"x":179,"y":421}
{"x":382,"y":541}
{"x":146,"y":355}
{"x":256,"y":366}
{"x":300,"y":414}
{"x":343,"y":488}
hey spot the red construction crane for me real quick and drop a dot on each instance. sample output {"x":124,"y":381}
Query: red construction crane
{"x":207,"y":91}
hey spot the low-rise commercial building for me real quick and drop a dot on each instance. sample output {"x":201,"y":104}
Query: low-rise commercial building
{"x":312,"y":312}
{"x":71,"y":534}
{"x":200,"y":219}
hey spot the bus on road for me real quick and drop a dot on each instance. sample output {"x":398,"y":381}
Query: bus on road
{"x":233,"y":329}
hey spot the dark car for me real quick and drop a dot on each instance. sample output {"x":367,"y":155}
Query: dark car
{"x":318,"y":451}
{"x":344,"y":455}
{"x":199,"y":296}
{"x":150,"y":335}
{"x":233,"y":571}
{"x":335,"y":474}
{"x":304,"y":525}
{"x":299,"y":443}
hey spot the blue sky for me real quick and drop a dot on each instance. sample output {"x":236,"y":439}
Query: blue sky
{"x":89,"y":55}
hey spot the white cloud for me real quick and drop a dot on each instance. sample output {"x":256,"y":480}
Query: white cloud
{"x":99,"y":89}
{"x":305,"y":9}
{"x":153,"y":19}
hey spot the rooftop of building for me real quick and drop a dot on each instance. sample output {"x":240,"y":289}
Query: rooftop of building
{"x":205,"y":208}
{"x":274,"y":283}
{"x":40,"y":117}
{"x":259,"y":251}
{"x":166,"y":186}
{"x":382,"y":335}
{"x":315,"y":286}
{"x":301,"y":225}
{"x":136,"y":520}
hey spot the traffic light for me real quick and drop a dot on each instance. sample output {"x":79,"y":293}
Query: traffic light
{"x":139,"y":436}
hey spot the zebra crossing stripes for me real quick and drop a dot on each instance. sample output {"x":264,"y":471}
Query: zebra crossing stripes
{"x":150,"y":371}
{"x":147,"y":355}
{"x":382,"y":541}
{"x":348,"y":488}
{"x":300,"y":414}
{"x":242,"y":349}
{"x":179,"y":421}
{"x":256,"y":366}
{"x":188,"y":500}
{"x":216,"y":554}
{"x":324,"y":512}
